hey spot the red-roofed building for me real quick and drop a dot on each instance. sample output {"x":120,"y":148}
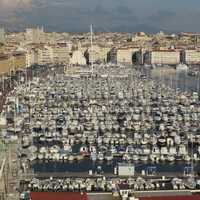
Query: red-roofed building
{"x":58,"y":196}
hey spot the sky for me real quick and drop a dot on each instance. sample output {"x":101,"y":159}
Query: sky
{"x":106,"y":15}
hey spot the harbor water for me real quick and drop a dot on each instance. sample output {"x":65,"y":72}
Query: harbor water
{"x":178,"y":80}
{"x":108,"y":167}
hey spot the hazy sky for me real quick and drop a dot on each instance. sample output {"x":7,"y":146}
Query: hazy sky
{"x":106,"y":15}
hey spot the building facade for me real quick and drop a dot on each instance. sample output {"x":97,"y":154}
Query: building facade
{"x":35,"y":35}
{"x":191,"y":57}
{"x":31,"y":57}
{"x":162,"y":57}
{"x":125,"y":55}
{"x":60,"y":53}
{"x":45,"y":55}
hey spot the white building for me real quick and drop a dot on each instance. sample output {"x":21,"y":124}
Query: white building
{"x":45,"y":55}
{"x":191,"y":56}
{"x":125,"y":55}
{"x":77,"y":58}
{"x":31,"y":57}
{"x":162,"y":57}
{"x":61,"y":53}
{"x":35,"y":35}
{"x":48,"y":55}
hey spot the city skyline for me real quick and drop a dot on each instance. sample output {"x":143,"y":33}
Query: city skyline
{"x":108,"y":15}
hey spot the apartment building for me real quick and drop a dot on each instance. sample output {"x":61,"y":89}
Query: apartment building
{"x":45,"y":55}
{"x":162,"y":57}
{"x":125,"y":55}
{"x":35,"y":35}
{"x":31,"y":57}
{"x":60,"y":53}
{"x":191,"y":56}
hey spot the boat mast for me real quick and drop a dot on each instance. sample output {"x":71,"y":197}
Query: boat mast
{"x":192,"y":156}
{"x":91,"y":43}
{"x":161,"y":83}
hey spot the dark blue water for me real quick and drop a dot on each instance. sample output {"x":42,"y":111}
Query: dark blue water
{"x":108,"y":167}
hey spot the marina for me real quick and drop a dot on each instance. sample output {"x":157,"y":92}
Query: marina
{"x":84,"y":124}
{"x":104,"y":117}
{"x":96,"y":107}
